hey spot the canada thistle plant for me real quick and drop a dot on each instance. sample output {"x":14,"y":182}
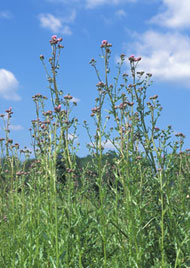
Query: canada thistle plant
{"x":130,"y":206}
{"x":136,"y":131}
{"x":135,"y":137}
{"x":56,"y":132}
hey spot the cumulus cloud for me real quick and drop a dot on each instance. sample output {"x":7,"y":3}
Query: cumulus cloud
{"x":66,"y":30}
{"x":50,"y":22}
{"x":69,"y":18}
{"x":95,"y":3}
{"x":72,"y":137}
{"x":91,"y":3}
{"x":5,"y":14}
{"x":176,"y":14}
{"x":8,"y":85}
{"x":108,"y":145}
{"x":16,"y":127}
{"x":63,"y":1}
{"x":120,"y":13}
{"x":165,"y":55}
{"x":105,"y":144}
{"x":57,"y":24}
{"x":75,"y":99}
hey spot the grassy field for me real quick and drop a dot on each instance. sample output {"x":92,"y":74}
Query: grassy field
{"x":126,"y":208}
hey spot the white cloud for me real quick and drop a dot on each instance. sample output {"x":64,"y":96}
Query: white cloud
{"x":50,"y":22}
{"x":108,"y":145}
{"x":57,"y":24}
{"x":16,"y":127}
{"x":107,"y":20}
{"x":72,"y":136}
{"x":8,"y":85}
{"x":105,"y":144}
{"x":165,"y":55}
{"x":176,"y":14}
{"x":91,"y":3}
{"x":6,"y":14}
{"x":66,"y":30}
{"x":120,"y":13}
{"x":75,"y":99}
{"x":69,"y":18}
{"x":63,"y":1}
{"x":95,"y":3}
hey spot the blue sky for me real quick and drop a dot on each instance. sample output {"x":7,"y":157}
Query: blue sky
{"x":156,"y":30}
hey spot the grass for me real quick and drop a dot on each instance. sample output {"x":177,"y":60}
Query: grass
{"x":127,"y":208}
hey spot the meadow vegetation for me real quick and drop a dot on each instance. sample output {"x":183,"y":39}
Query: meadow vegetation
{"x":129,"y":207}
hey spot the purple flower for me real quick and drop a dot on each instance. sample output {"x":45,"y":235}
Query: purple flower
{"x":58,"y":108}
{"x":132,"y":58}
{"x":54,"y":37}
{"x":104,"y":42}
{"x":54,"y":40}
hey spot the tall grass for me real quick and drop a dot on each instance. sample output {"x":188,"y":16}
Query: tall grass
{"x":132,"y":211}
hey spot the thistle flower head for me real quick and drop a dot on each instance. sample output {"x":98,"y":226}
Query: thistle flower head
{"x":57,"y":108}
{"x":54,"y":37}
